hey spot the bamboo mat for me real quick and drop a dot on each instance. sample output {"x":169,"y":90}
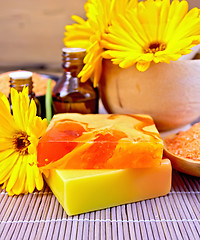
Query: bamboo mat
{"x":40,"y":216}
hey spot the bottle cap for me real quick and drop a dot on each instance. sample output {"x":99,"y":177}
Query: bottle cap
{"x":20,"y":75}
{"x":73,"y":50}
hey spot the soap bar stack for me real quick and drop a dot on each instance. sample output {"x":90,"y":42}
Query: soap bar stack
{"x":98,"y":161}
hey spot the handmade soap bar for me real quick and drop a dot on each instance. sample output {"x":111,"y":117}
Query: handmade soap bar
{"x":81,"y":191}
{"x":76,"y":141}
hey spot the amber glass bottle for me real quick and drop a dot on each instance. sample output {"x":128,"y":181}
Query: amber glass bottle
{"x":70,"y":95}
{"x":18,"y":80}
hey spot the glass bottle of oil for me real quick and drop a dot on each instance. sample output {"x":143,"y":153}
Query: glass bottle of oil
{"x":70,"y":95}
{"x":18,"y":80}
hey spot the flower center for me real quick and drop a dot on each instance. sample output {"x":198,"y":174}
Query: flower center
{"x":155,"y":47}
{"x":21,"y":143}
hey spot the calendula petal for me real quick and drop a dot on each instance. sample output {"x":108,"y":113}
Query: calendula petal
{"x":6,"y":104}
{"x":19,"y":185}
{"x":39,"y":183}
{"x":16,"y":108}
{"x":14,"y":174}
{"x":177,"y":12}
{"x":97,"y":74}
{"x":7,"y":120}
{"x":142,"y":66}
{"x":7,"y":166}
{"x":5,"y":144}
{"x":30,"y":183}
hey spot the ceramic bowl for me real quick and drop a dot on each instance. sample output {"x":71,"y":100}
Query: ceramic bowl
{"x":170,"y":93}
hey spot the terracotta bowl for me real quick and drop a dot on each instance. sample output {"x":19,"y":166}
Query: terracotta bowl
{"x":170,"y":93}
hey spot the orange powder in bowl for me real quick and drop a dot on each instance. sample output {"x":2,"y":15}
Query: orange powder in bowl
{"x":186,"y":144}
{"x":39,"y":84}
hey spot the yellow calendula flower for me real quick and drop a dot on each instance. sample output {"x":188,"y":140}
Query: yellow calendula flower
{"x":19,"y":136}
{"x":152,"y":31}
{"x":88,"y":33}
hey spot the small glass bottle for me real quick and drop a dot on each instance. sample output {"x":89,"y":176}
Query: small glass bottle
{"x":18,"y":80}
{"x":70,"y":95}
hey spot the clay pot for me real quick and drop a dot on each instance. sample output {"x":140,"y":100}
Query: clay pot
{"x":170,"y":93}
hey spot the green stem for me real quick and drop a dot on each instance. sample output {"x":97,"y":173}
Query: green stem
{"x":48,"y":101}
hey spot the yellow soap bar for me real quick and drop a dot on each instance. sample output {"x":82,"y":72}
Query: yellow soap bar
{"x":81,"y":191}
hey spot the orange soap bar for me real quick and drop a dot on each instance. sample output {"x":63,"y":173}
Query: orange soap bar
{"x":100,"y":141}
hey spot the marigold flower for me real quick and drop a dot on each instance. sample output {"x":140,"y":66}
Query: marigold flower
{"x":19,"y":136}
{"x":152,"y":31}
{"x":88,"y":34}
{"x":130,"y":32}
